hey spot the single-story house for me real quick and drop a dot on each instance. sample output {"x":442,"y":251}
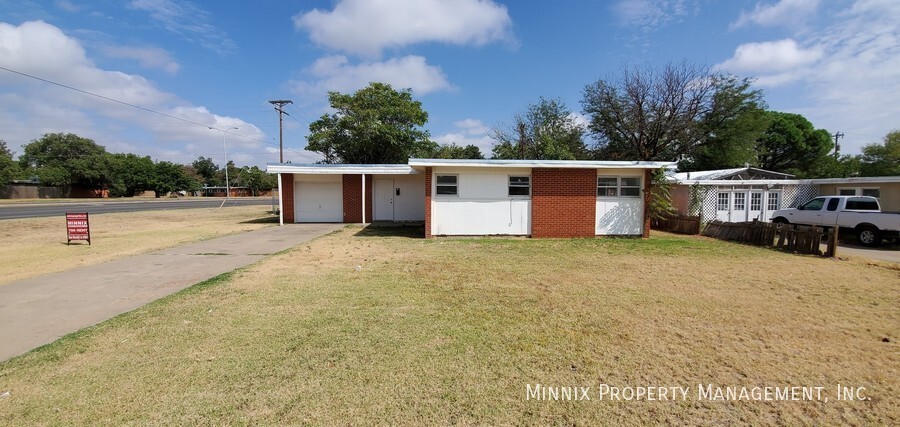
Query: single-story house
{"x":744,"y":194}
{"x":537,"y":198}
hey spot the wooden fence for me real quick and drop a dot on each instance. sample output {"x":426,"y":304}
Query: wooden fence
{"x":792,"y":238}
{"x":682,"y":224}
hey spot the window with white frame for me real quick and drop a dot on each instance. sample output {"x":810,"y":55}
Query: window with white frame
{"x":519,"y":185}
{"x":614,"y":186}
{"x":629,"y":186}
{"x":871,"y":192}
{"x":740,"y":201}
{"x":723,"y":201}
{"x":773,"y":203}
{"x":607,"y":186}
{"x":756,"y":201}
{"x":447,"y":185}
{"x":859,"y":191}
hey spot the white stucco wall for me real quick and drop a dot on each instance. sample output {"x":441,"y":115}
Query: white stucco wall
{"x":620,"y":215}
{"x":482,"y":205}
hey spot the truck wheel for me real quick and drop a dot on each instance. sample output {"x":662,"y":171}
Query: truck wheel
{"x":868,"y":236}
{"x":780,"y":220}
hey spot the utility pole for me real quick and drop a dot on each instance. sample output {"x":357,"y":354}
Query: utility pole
{"x":279,"y":107}
{"x":837,"y":147}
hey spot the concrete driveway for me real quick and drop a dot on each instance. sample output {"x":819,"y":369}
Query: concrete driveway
{"x":890,"y":253}
{"x":38,"y":311}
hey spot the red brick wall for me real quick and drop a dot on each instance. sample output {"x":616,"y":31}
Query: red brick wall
{"x":287,"y":197}
{"x":646,"y":229}
{"x":353,"y":198}
{"x":563,"y":202}
{"x":428,"y":202}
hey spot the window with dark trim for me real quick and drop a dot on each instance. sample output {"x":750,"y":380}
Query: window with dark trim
{"x":447,"y":185}
{"x":519,"y":185}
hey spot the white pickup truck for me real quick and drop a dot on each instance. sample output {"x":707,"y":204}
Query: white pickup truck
{"x":861,"y":214}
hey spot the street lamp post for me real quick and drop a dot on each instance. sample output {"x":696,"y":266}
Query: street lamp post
{"x":225,"y":153}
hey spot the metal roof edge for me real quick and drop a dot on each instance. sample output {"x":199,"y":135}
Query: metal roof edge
{"x":857,"y":180}
{"x":337,"y":169}
{"x":540,"y":163}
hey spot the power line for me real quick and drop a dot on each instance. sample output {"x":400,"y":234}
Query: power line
{"x":149,"y":110}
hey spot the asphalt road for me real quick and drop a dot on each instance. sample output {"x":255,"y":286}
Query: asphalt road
{"x":43,"y":209}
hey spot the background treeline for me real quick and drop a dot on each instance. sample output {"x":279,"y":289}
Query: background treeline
{"x":68,"y":160}
{"x":681,"y":112}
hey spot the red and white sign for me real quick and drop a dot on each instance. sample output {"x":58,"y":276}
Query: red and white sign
{"x":78,"y":227}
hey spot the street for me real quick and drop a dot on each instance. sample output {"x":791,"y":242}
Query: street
{"x":98,"y":206}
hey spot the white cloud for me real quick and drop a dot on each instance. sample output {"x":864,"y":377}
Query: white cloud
{"x":148,"y":57}
{"x":468,"y":132}
{"x":790,"y":13}
{"x":67,"y":5}
{"x":848,"y":75}
{"x":30,"y":108}
{"x":188,"y":21}
{"x":648,"y":14}
{"x":336,"y":73}
{"x":366,"y":27}
{"x":770,"y":57}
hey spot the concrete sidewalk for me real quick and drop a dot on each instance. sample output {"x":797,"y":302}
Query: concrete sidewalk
{"x":38,"y":311}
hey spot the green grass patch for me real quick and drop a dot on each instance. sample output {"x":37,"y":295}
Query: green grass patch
{"x":363,"y":328}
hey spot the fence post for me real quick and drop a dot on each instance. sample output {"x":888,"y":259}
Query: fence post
{"x":831,"y":248}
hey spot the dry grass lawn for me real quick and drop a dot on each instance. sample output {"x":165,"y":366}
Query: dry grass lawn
{"x":450,"y":331}
{"x":36,"y":246}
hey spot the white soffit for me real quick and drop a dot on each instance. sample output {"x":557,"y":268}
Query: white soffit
{"x":331,"y":169}
{"x":566,"y":164}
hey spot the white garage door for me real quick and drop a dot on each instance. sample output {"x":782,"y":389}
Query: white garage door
{"x":319,"y":201}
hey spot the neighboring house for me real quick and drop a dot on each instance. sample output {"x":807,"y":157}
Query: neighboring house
{"x":745,"y":194}
{"x":885,"y":188}
{"x":538,"y":198}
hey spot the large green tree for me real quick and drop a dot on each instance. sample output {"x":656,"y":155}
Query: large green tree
{"x":649,"y":113}
{"x":453,"y":151}
{"x":257,"y":180}
{"x":208,"y":170}
{"x":882,"y":159}
{"x":65,"y":159}
{"x":546,"y":130}
{"x":377,"y":124}
{"x":792,"y":144}
{"x":728,"y":130}
{"x":8,"y":167}
{"x":130,"y":174}
{"x":169,"y":177}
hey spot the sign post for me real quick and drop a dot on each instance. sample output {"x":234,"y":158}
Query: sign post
{"x":78,"y":227}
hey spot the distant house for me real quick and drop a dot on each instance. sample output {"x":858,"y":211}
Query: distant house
{"x":744,"y":194}
{"x":538,"y":198}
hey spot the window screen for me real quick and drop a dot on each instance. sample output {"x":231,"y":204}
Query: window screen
{"x":520,"y":186}
{"x":447,"y":185}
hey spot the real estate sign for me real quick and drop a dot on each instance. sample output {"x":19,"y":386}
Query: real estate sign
{"x":78,"y":227}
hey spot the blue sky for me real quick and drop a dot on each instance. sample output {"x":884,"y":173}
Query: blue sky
{"x":472,"y":63}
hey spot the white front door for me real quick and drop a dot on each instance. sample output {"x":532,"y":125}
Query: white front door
{"x":384,"y":200}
